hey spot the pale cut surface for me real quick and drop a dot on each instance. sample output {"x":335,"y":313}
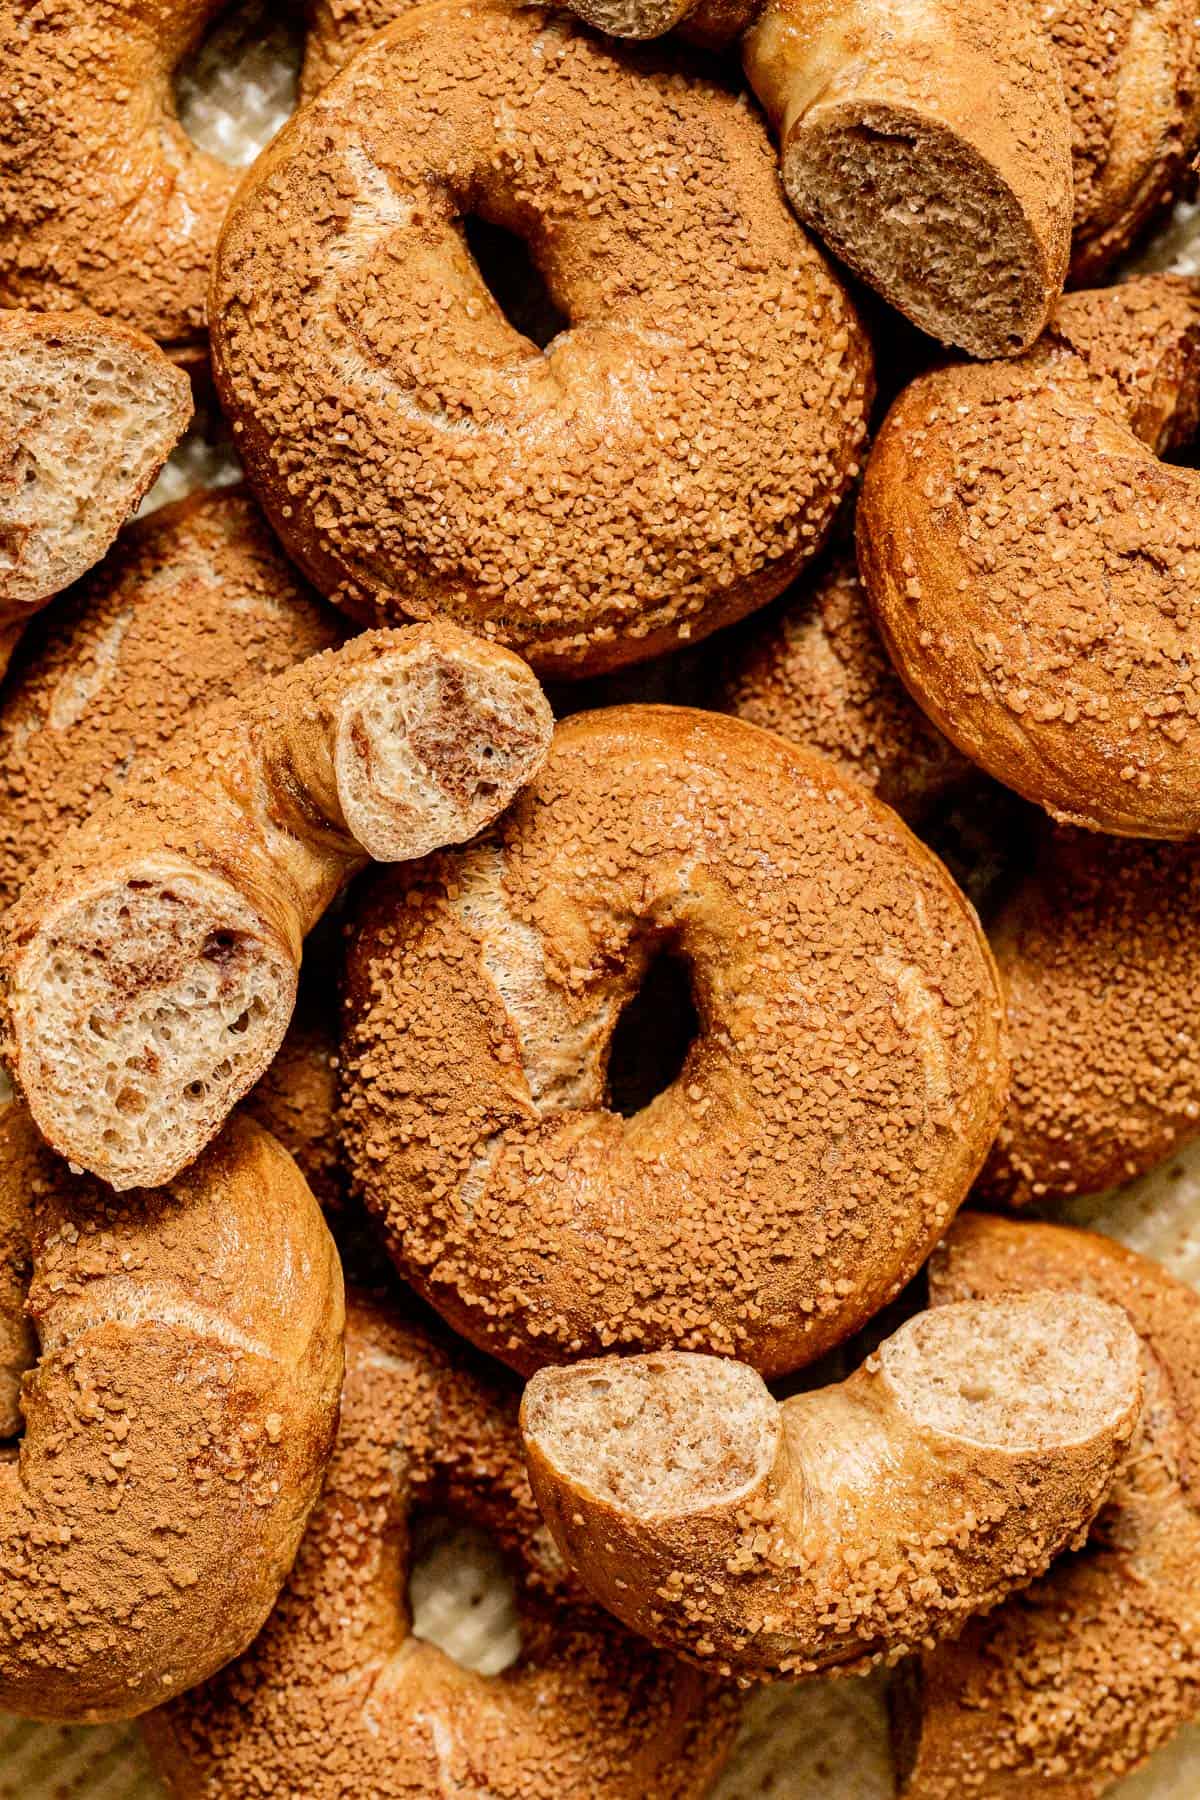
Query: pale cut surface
{"x":1010,"y":1376}
{"x":160,"y":998}
{"x":672,"y":1435}
{"x":89,"y":412}
{"x":657,"y":1435}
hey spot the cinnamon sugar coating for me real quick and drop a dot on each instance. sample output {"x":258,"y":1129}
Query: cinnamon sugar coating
{"x":1130,"y":74}
{"x":1074,"y":1683}
{"x":670,"y":460}
{"x":177,"y":1421}
{"x":1030,"y":560}
{"x":104,"y":200}
{"x":296,"y":1100}
{"x":817,"y":673}
{"x":336,"y":1698}
{"x":194,"y":604}
{"x":1098,"y":956}
{"x":845,"y":1084}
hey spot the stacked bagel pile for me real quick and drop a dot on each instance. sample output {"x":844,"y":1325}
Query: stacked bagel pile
{"x":440,"y":1097}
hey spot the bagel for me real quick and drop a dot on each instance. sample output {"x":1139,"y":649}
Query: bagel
{"x":1073,"y":1684}
{"x":1027,"y":558}
{"x":847,"y":1078}
{"x":104,"y":199}
{"x":178,"y":1417}
{"x":850,"y":1523}
{"x":89,"y":412}
{"x":296,"y":1100}
{"x":818,"y":674}
{"x":196,"y":603}
{"x":929,"y":146}
{"x":148,"y":969}
{"x":1129,"y":70}
{"x":336,"y":1697}
{"x":670,"y":460}
{"x":1098,"y":958}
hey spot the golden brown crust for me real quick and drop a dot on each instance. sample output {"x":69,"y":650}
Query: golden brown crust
{"x":176,"y":1426}
{"x":338,"y":30}
{"x":1025,"y":552}
{"x":665,"y":467}
{"x":104,"y":200}
{"x":296,"y":1100}
{"x":192,"y":605}
{"x":817,"y":673}
{"x":1098,"y":957}
{"x":148,"y":968}
{"x":930,"y":147}
{"x":845,"y":1084}
{"x":1073,"y":1684}
{"x":335,"y":1697}
{"x":1129,"y":68}
{"x":861,"y":1520}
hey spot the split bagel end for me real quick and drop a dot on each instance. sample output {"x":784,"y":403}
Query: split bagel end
{"x":150,"y":966}
{"x":846,"y":1524}
{"x":1074,"y":1683}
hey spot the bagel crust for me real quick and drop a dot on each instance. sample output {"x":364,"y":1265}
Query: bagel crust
{"x":148,"y":968}
{"x":1031,"y":561}
{"x":846,"y":1082}
{"x":663,"y":467}
{"x":177,"y":1421}
{"x":104,"y":199}
{"x":851,"y":1522}
{"x":196,"y":603}
{"x":817,"y":673}
{"x":336,"y":1697}
{"x":1129,"y":68}
{"x":1072,"y":1684}
{"x":1099,"y":954}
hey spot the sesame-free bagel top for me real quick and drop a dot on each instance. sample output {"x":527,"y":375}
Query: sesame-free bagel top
{"x":828,"y":1119}
{"x":1032,"y":563}
{"x":104,"y":199}
{"x":670,"y":459}
{"x":337,"y":1700}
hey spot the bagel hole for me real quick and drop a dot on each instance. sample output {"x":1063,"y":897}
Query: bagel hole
{"x":238,"y":85}
{"x":653,"y":1035}
{"x":461,"y":1596}
{"x":513,"y":279}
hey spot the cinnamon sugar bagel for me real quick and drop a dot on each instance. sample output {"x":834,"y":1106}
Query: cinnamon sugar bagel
{"x":928,"y":145}
{"x":670,"y":459}
{"x":1074,"y":1683}
{"x":1129,"y":68}
{"x":1030,"y":560}
{"x":1099,"y":954}
{"x":178,"y":1413}
{"x":337,"y":1698}
{"x":196,"y":603}
{"x":817,"y":673}
{"x":846,"y":1081}
{"x":104,"y":199}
